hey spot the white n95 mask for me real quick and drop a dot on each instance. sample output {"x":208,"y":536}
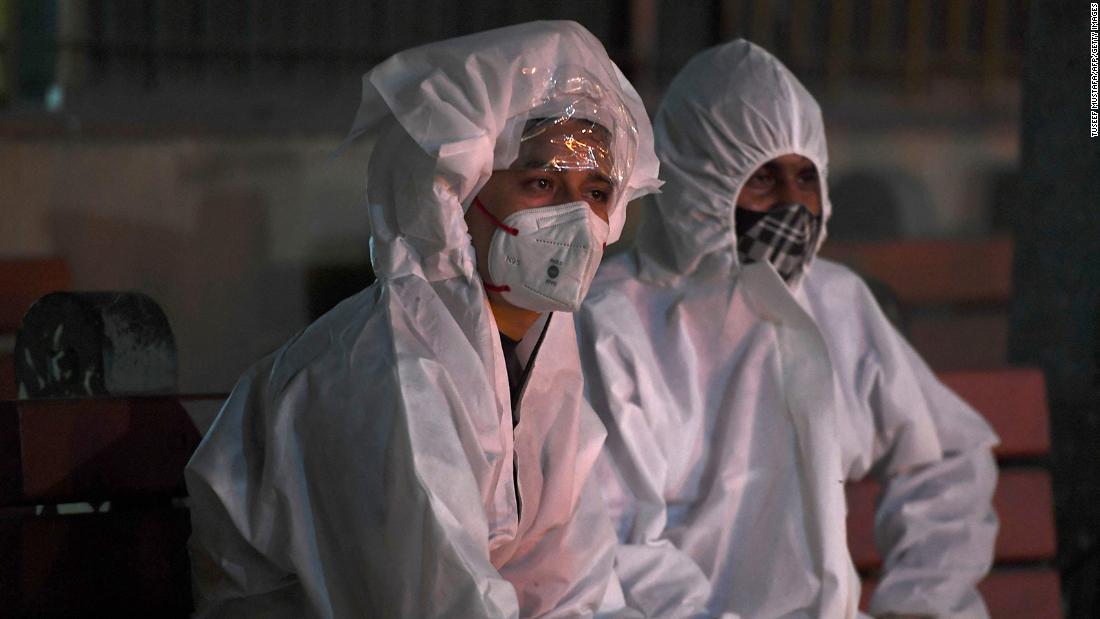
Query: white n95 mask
{"x":543,"y":259}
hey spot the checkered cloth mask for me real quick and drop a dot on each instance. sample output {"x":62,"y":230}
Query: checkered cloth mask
{"x":784,"y":235}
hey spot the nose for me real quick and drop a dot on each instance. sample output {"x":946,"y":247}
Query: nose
{"x":567,"y":192}
{"x":789,"y":193}
{"x":793,"y":192}
{"x":570,"y":193}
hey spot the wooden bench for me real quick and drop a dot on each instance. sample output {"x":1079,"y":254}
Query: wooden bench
{"x":954,"y":293}
{"x":123,"y":454}
{"x":22,"y":281}
{"x":132,"y":559}
{"x":1023,"y":583}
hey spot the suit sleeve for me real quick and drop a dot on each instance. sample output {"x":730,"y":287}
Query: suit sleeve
{"x":335,"y":517}
{"x":230,"y":575}
{"x":658,"y":579}
{"x":934,"y":525}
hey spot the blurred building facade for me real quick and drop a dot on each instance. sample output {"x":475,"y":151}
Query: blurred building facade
{"x":165,"y":115}
{"x":184,"y":149}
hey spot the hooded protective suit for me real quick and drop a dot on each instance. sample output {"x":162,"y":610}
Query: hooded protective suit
{"x":369,"y":468}
{"x":737,"y":406}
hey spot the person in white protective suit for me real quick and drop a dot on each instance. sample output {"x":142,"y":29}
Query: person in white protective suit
{"x":742,"y":381}
{"x":424,"y":449}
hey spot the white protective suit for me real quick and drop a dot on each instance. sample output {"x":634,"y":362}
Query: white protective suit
{"x":737,"y":406}
{"x":366,"y":469}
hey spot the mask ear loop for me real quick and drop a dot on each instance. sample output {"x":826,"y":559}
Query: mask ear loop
{"x":500,"y":224}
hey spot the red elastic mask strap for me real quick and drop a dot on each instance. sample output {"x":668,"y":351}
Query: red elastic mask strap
{"x":493,"y":218}
{"x":508,"y":229}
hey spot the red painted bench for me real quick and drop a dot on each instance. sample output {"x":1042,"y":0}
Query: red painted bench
{"x":131,"y":559}
{"x":954,"y":294}
{"x":933,"y":272}
{"x":1023,"y":583}
{"x":127,"y":560}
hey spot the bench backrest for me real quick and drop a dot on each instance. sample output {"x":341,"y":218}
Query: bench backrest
{"x":953,"y":294}
{"x":934,"y":271}
{"x":127,"y":560}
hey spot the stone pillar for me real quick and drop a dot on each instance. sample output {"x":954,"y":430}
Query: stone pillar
{"x":1056,"y":306}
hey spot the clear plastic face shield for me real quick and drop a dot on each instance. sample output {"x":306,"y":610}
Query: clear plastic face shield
{"x":577,"y":125}
{"x":564,"y":144}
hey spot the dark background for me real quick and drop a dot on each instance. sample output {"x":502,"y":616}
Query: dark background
{"x":183,"y":149}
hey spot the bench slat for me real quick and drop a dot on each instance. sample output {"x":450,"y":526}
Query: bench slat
{"x":94,"y":449}
{"x":1032,"y":593}
{"x":1027,"y":594}
{"x":1022,"y":501}
{"x":929,"y":272}
{"x":1013,"y":401}
{"x":975,"y":339}
{"x":115,"y":564}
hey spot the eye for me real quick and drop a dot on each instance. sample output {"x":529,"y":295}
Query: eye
{"x":761,"y":181}
{"x":540,"y":184}
{"x":808,"y":175}
{"x":599,"y":195}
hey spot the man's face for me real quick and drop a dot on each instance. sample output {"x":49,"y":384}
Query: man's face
{"x":541,"y":176}
{"x":789,"y":179}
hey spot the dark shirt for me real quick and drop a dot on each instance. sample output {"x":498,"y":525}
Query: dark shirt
{"x":517,"y":378}
{"x":517,"y":373}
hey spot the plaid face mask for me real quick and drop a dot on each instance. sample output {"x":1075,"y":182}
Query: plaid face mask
{"x":785,"y":236}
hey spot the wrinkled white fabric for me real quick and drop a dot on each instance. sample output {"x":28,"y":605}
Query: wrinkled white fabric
{"x":738,"y":406}
{"x":369,"y":467}
{"x":469,"y":114}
